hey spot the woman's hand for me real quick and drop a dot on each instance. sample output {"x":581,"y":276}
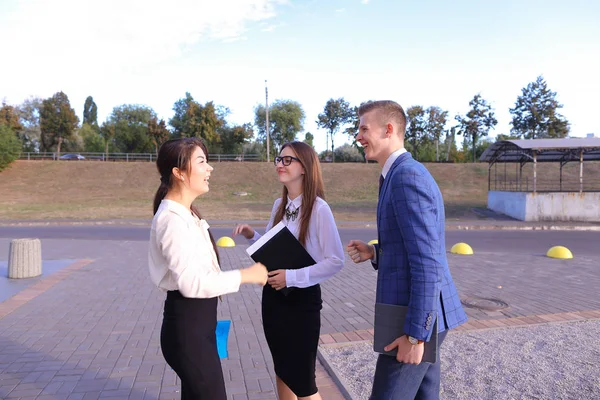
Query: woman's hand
{"x":245,"y":230}
{"x":277,"y":279}
{"x":255,"y":274}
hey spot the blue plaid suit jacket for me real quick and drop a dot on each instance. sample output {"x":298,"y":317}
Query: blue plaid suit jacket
{"x":411,"y":253}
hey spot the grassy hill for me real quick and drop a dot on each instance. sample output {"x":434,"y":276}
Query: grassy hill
{"x":93,"y":190}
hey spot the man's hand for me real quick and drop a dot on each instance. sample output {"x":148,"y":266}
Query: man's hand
{"x":360,"y":251}
{"x":277,"y":279}
{"x":407,"y":353}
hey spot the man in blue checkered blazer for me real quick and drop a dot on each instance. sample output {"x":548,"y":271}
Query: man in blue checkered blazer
{"x":410,"y":257}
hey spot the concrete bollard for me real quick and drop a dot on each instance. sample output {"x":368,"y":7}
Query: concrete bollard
{"x":24,"y":258}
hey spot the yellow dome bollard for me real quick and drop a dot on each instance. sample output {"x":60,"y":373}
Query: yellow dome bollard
{"x":225,"y":241}
{"x":461,"y":248}
{"x":374,"y":241}
{"x":559,"y":252}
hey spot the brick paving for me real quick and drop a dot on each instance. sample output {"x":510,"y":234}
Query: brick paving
{"x":91,"y":330}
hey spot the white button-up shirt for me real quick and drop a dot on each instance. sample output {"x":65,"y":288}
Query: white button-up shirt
{"x":323,"y":243}
{"x":390,"y":161}
{"x":181,"y":256}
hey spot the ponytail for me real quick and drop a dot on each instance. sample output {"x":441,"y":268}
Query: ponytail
{"x":162,"y":191}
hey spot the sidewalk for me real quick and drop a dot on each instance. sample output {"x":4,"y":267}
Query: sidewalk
{"x":91,"y":330}
{"x":451,"y":224}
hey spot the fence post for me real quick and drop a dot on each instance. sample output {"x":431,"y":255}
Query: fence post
{"x":581,"y":171}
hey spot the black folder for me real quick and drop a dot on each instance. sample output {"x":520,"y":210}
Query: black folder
{"x":389,"y":326}
{"x":279,"y":249}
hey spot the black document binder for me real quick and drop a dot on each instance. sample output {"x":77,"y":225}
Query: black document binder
{"x":279,"y":249}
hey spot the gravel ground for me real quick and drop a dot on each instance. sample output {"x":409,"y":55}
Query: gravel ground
{"x":556,"y":361}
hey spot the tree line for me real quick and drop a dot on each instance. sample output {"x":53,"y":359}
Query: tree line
{"x":51,"y":125}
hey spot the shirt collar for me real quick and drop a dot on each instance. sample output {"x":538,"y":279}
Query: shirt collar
{"x":390,"y":161}
{"x":181,"y":210}
{"x":297,"y":202}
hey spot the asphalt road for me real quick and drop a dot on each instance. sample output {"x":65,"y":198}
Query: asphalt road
{"x":524,"y":242}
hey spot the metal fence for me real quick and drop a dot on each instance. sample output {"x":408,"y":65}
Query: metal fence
{"x":129,"y":157}
{"x":544,"y":185}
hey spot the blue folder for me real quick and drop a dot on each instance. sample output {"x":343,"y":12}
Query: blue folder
{"x":222,"y":334}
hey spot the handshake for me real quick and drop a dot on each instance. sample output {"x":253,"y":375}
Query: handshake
{"x":256,"y":274}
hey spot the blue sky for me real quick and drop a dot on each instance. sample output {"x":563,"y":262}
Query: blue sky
{"x":418,"y":53}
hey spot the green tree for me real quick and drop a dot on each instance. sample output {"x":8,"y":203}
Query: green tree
{"x":535,"y":115}
{"x":90,"y":112}
{"x":180,"y":120}
{"x":348,"y":153}
{"x":336,"y":114}
{"x":93,"y":142}
{"x":58,"y":122}
{"x":209,"y":121}
{"x":191,"y":119}
{"x":29,"y":116}
{"x":481,"y":146}
{"x":352,"y":131}
{"x":286,"y":119}
{"x":309,"y":138}
{"x":107,"y":131}
{"x":504,"y":136}
{"x":158,"y":132}
{"x":434,"y":127}
{"x":130,"y":122}
{"x":233,"y":138}
{"x":9,"y":117}
{"x":415,"y":136}
{"x":478,"y":121}
{"x":353,"y":124}
{"x":10,"y":146}
{"x":450,"y":142}
{"x":255,"y":147}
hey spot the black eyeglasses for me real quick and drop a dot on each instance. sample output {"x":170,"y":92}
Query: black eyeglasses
{"x":285,"y":160}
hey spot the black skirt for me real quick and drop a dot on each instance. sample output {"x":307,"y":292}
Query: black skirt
{"x":189,"y":345}
{"x":292,"y":325}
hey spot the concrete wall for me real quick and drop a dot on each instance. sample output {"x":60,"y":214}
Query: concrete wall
{"x":554,"y":206}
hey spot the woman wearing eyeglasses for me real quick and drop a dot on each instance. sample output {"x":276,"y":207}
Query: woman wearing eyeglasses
{"x":292,"y":322}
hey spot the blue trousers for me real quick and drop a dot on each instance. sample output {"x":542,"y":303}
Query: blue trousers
{"x":398,"y":381}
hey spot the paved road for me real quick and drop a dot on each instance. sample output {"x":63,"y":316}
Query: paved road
{"x":519,"y":242}
{"x":93,"y":331}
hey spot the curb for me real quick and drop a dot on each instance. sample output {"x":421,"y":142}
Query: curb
{"x":340,"y":224}
{"x":339,"y":381}
{"x":592,"y":228}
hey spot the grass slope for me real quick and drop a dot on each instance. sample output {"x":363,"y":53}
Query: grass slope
{"x":92,"y":190}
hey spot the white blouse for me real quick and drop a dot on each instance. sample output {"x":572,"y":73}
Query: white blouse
{"x":323,"y":243}
{"x":181,"y":256}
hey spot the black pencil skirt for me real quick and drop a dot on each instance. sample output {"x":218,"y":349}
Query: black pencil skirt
{"x":292,"y":325}
{"x":189,"y":345}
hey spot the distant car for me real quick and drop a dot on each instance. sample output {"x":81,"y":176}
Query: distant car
{"x":72,"y":157}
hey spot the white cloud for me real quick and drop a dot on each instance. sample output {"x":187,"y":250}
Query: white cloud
{"x":271,"y":27}
{"x":364,"y":1}
{"x":340,"y":10}
{"x":51,"y":41}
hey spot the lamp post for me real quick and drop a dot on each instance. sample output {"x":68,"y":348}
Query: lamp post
{"x":267,"y":121}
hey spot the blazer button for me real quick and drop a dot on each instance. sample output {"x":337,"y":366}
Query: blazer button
{"x":380,"y":251}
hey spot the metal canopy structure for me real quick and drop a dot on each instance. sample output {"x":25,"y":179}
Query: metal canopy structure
{"x":542,"y":150}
